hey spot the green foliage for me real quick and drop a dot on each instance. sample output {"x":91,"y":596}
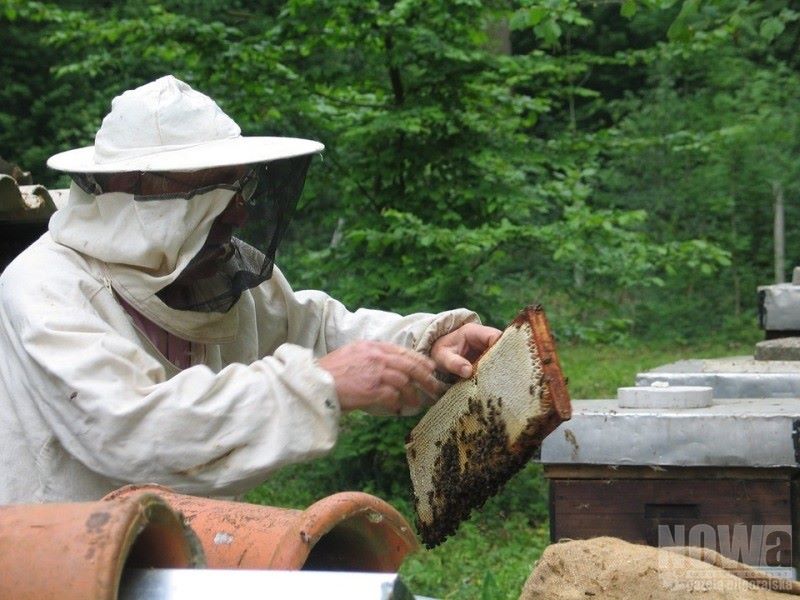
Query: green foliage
{"x":618,"y":165}
{"x":617,"y":159}
{"x":707,"y":159}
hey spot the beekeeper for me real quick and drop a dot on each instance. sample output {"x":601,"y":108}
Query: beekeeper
{"x":142,"y":342}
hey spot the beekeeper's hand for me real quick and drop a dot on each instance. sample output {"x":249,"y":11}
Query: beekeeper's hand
{"x":455,"y":352}
{"x":381,"y":377}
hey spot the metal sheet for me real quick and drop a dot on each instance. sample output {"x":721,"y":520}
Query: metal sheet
{"x":735,"y":432}
{"x":216,"y":584}
{"x":780,"y":306}
{"x":734,"y":377}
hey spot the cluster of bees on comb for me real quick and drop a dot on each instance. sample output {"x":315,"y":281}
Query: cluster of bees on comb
{"x":471,"y":466}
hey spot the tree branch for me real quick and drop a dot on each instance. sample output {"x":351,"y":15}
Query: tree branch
{"x":394,"y":72}
{"x":346,"y":102}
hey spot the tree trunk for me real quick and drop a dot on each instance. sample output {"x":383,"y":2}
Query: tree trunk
{"x":499,"y":35}
{"x":737,"y":281}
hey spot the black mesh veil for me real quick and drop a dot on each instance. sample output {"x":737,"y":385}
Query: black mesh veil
{"x":278,"y":189}
{"x":276,"y":197}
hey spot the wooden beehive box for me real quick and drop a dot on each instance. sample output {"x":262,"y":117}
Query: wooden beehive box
{"x":723,"y":477}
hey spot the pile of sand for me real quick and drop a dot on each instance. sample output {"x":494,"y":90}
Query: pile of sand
{"x":612,"y":569}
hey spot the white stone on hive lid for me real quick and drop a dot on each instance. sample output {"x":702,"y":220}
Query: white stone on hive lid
{"x":660,"y":395}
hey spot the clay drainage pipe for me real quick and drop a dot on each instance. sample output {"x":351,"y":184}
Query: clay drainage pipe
{"x":80,"y":551}
{"x":349,"y":531}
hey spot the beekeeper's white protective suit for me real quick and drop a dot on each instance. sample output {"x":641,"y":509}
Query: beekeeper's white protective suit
{"x":88,"y":404}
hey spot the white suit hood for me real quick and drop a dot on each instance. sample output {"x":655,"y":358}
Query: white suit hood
{"x":144,"y":246}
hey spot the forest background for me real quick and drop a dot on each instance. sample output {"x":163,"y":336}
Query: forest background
{"x":617,"y":162}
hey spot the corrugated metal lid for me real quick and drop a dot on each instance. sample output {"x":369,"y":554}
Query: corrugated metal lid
{"x":739,"y":432}
{"x":27,"y":203}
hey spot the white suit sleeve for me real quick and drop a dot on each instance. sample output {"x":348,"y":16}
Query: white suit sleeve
{"x":316,"y":320}
{"x":111,"y":405}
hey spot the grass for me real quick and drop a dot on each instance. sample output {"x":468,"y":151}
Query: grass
{"x":597,"y":371}
{"x":493,"y":552}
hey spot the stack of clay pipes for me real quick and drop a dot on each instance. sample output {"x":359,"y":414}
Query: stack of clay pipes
{"x":80,"y":551}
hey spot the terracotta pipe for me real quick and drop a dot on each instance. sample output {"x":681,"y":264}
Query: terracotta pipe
{"x":350,"y":531}
{"x":79,"y":551}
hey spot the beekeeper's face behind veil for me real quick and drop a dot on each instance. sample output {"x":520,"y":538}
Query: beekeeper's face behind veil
{"x":157,"y":199}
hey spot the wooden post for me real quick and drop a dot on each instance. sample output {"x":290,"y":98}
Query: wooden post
{"x":778,"y":233}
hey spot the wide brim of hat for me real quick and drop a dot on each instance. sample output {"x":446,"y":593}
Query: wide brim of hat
{"x":217,"y":153}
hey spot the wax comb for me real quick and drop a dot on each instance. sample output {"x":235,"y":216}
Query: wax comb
{"x":486,"y":428}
